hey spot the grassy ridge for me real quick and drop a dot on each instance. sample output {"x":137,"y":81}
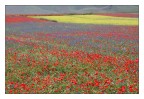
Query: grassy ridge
{"x":91,"y":19}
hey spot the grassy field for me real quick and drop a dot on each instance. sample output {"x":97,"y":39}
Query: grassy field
{"x":91,"y":19}
{"x":44,"y":57}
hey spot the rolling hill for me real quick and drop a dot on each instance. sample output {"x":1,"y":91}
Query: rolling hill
{"x":71,"y":9}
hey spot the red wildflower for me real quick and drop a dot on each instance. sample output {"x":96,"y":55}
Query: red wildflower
{"x":89,"y":83}
{"x":74,"y":81}
{"x":123,"y":88}
{"x":96,"y":83}
{"x":16,"y":85}
{"x":23,"y":85}
{"x":56,"y":63}
{"x":96,"y":72}
{"x":11,"y":83}
{"x":13,"y":19}
{"x":108,"y":81}
{"x":94,"y":56}
{"x":137,"y":60}
{"x":131,"y":88}
{"x":106,"y":59}
{"x":47,"y":80}
{"x":10,"y":91}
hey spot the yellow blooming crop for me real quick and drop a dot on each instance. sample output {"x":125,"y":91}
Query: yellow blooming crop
{"x":91,"y":19}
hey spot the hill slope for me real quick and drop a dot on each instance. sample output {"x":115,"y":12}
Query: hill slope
{"x":71,"y":9}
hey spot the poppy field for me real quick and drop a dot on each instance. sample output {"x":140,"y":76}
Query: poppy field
{"x":56,"y":55}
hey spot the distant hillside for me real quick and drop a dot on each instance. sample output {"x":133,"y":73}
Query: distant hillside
{"x":125,"y":8}
{"x":71,"y":9}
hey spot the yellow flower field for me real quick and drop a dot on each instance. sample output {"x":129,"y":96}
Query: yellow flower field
{"x":91,"y":19}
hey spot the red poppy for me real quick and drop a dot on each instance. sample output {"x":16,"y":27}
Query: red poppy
{"x":23,"y":85}
{"x":56,"y":63}
{"x":131,"y":88}
{"x":123,"y":88}
{"x":74,"y":81}
{"x":10,"y":91}
{"x":96,"y":83}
